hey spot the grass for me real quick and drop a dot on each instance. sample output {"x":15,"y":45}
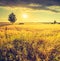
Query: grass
{"x":38,"y":42}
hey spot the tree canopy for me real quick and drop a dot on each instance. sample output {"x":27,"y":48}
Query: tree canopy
{"x":12,"y":18}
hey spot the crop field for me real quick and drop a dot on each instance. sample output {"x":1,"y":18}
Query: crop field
{"x":30,"y":42}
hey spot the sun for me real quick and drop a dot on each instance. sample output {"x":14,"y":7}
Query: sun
{"x":24,"y":15}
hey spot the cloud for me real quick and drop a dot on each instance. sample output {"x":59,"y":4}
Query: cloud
{"x":42,"y":7}
{"x":18,"y":2}
{"x":34,"y":4}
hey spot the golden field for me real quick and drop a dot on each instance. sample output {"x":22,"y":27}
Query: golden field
{"x":39,"y":42}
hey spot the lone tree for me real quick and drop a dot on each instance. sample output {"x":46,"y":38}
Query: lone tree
{"x":12,"y":18}
{"x":55,"y":22}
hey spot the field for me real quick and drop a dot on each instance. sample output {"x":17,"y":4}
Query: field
{"x":30,"y":42}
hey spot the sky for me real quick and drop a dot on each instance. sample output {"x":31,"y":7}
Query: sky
{"x":30,"y":10}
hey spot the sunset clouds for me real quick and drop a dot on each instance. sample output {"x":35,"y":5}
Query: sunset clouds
{"x":38,"y":10}
{"x":18,"y":2}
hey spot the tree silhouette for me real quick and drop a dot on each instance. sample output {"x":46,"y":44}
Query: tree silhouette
{"x":12,"y":18}
{"x":55,"y":22}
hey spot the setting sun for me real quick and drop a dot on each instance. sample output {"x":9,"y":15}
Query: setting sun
{"x":24,"y":16}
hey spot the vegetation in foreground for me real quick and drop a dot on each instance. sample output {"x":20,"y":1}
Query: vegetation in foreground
{"x":30,"y":44}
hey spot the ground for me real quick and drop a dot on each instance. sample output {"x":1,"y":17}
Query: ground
{"x":43,"y":38}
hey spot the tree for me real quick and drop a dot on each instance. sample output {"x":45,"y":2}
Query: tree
{"x":12,"y":18}
{"x":55,"y":22}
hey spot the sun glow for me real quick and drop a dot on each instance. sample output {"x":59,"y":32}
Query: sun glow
{"x":24,"y":16}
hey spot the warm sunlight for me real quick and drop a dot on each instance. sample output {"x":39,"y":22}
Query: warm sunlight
{"x":24,"y":16}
